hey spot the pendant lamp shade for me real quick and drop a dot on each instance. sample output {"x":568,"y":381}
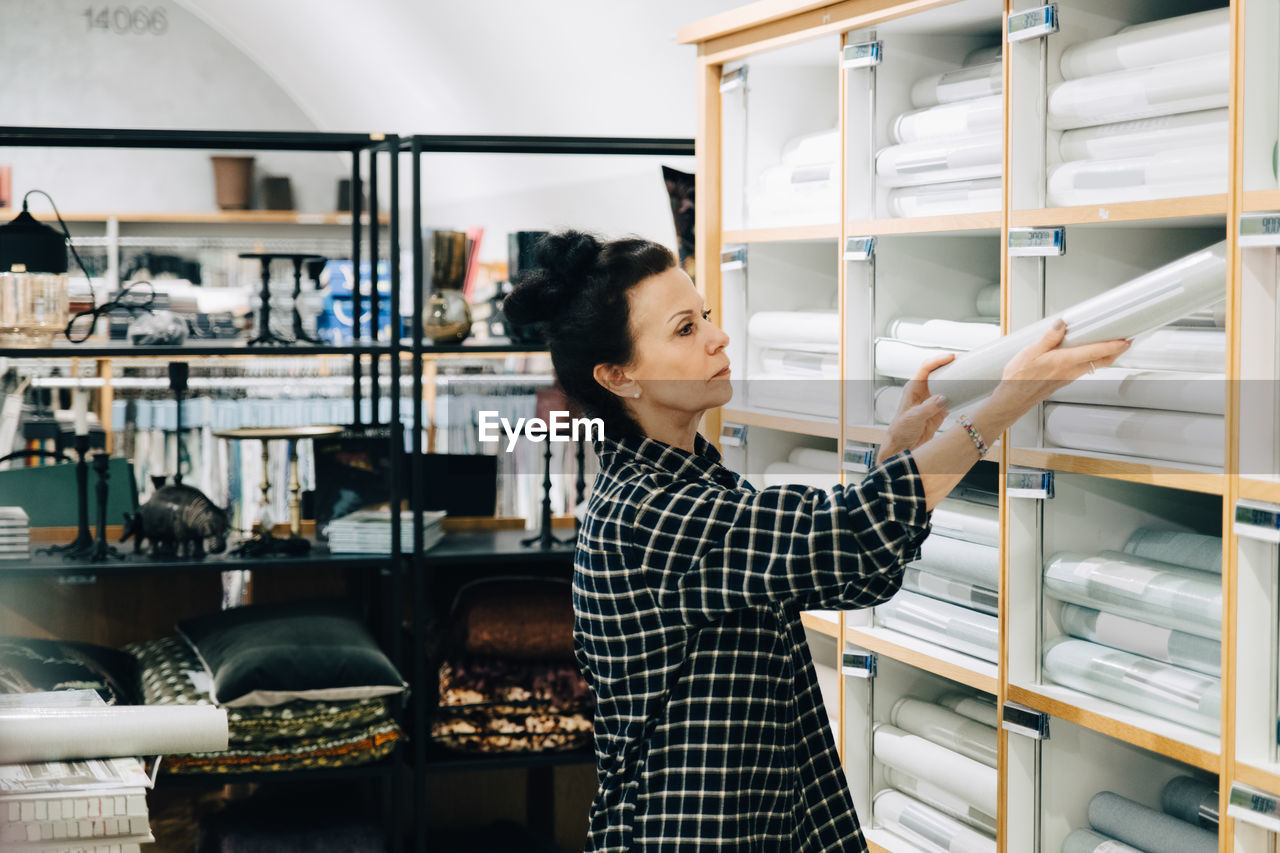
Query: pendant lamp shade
{"x":33,"y":245}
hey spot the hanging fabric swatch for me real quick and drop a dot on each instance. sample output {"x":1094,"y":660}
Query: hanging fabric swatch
{"x":949,"y":199}
{"x":1192,"y":800}
{"x":1178,"y":437}
{"x":1176,"y":391}
{"x":945,"y":728}
{"x":1142,"y":638}
{"x":1193,"y":550}
{"x":944,"y":801}
{"x":1151,"y":43}
{"x":947,"y":625}
{"x":928,"y":827}
{"x":1135,"y":824}
{"x":927,"y":583}
{"x":971,"y":781}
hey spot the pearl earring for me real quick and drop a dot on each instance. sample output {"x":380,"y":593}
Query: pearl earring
{"x":636,"y":395}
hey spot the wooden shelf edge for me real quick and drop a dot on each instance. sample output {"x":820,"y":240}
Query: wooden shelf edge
{"x":822,"y":626}
{"x":989,"y":221}
{"x":1257,"y":489}
{"x":1129,"y":211}
{"x":781,"y":234}
{"x":1257,"y":777}
{"x":1118,"y":729}
{"x":871,"y":640}
{"x":867,"y":434}
{"x":801,"y":426}
{"x":1259,"y":201}
{"x":1133,"y":472}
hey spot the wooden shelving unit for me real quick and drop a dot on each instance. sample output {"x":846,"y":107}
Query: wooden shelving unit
{"x":785,"y":234}
{"x":988,"y":222}
{"x":1133,"y":211}
{"x":783,"y":423}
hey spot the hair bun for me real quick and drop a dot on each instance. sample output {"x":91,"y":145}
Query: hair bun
{"x":563,"y":262}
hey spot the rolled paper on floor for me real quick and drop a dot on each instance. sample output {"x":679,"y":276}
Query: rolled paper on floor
{"x":947,"y":589}
{"x":1159,"y":689}
{"x":1152,"y":43}
{"x":798,"y":363}
{"x":981,"y":196}
{"x":973,"y":117}
{"x":936,"y":332}
{"x":1189,"y":799}
{"x":783,"y":328}
{"x":1147,"y":302}
{"x":962,"y":519}
{"x":1193,"y":550}
{"x":930,"y":828}
{"x":900,"y":360}
{"x":939,"y":160}
{"x":988,"y":301}
{"x":1189,"y":85}
{"x":969,"y":562}
{"x":1129,"y":387}
{"x":962,"y":84}
{"x":1171,"y":348}
{"x":981,"y":709}
{"x":1085,"y":841}
{"x":1147,"y":590}
{"x":57,"y":734}
{"x":812,"y":148}
{"x":1142,"y":638}
{"x":947,"y":625}
{"x":1161,"y":436}
{"x":971,"y":781}
{"x":944,"y":801}
{"x":784,"y":474}
{"x":1135,"y":824}
{"x":818,"y":460}
{"x":1144,"y":137}
{"x":945,"y":728}
{"x":1166,"y":174}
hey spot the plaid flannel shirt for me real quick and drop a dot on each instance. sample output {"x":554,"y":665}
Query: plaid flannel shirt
{"x":710,"y":731}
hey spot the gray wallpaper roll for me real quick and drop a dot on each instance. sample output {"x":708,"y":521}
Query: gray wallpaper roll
{"x":973,"y":562}
{"x":1084,"y":841}
{"x":946,"y":728}
{"x":1193,"y":550}
{"x":987,"y":302}
{"x":945,"y":589}
{"x":1142,"y":638}
{"x":943,"y":801}
{"x":948,"y":625}
{"x":979,"y":708}
{"x":1189,"y":799}
{"x":1148,"y":829}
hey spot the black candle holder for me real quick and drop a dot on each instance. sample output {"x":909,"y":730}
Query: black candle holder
{"x":82,"y":545}
{"x":300,"y":334}
{"x":102,"y":551}
{"x":544,"y":537}
{"x":265,"y":334}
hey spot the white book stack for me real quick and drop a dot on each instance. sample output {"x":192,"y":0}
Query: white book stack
{"x":368,"y":531}
{"x":15,"y":533}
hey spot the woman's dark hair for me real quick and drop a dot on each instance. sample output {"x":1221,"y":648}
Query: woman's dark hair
{"x":576,"y":291}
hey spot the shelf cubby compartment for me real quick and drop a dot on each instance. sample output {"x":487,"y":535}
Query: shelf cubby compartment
{"x":929,"y":741}
{"x":1257,"y":529}
{"x":1093,"y":565}
{"x":772,"y":457}
{"x":780,"y":151}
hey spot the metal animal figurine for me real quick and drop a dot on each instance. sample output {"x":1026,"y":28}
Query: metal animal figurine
{"x":177,"y":521}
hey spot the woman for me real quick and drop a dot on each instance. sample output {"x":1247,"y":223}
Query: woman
{"x":689,"y":583}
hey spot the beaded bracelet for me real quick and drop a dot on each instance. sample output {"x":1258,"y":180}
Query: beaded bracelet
{"x":974,"y":436}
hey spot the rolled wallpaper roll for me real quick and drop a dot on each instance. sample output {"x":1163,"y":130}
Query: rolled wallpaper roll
{"x":973,"y":81}
{"x":1152,"y":43}
{"x":984,"y":55}
{"x":806,"y":396}
{"x":1147,"y":302}
{"x":943,"y":588}
{"x":928,"y":827}
{"x":939,"y":160}
{"x":1147,"y":136}
{"x":962,"y":197}
{"x":1085,"y":841}
{"x":1142,"y":638}
{"x":785,"y":473}
{"x":782,"y":328}
{"x":1189,"y":799}
{"x":55,"y":734}
{"x":1147,"y":590}
{"x":969,"y":562}
{"x":1171,"y":348}
{"x":1147,"y":829}
{"x":979,"y":708}
{"x":1214,"y":317}
{"x":944,"y":801}
{"x":813,"y":148}
{"x":1165,"y":174}
{"x":818,"y":460}
{"x":1193,"y":550}
{"x":945,"y":728}
{"x":988,"y":301}
{"x":886,"y":404}
{"x":1198,"y":83}
{"x":946,"y":624}
{"x":967,"y":520}
{"x":973,"y":117}
{"x":971,"y":781}
{"x":1129,"y":387}
{"x":936,"y":332}
{"x":1155,"y":688}
{"x":799,"y":363}
{"x":900,"y":359}
{"x":1184,"y":437}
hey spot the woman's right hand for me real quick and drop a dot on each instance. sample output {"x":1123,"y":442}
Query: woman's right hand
{"x":1045,"y":366}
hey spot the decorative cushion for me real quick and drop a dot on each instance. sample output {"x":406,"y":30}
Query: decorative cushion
{"x":514,"y":618}
{"x":30,"y":665}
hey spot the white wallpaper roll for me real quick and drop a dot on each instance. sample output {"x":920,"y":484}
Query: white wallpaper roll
{"x":973,"y":117}
{"x":785,"y":473}
{"x":1152,"y":43}
{"x":967,"y":520}
{"x":1149,"y":301}
{"x":973,"y":81}
{"x":818,"y":460}
{"x":984,"y":55}
{"x":977,"y":563}
{"x":888,"y":398}
{"x":948,"y":625}
{"x":945,"y":728}
{"x":1175,"y":391}
{"x":936,"y":332}
{"x":955,"y":199}
{"x":981,"y":709}
{"x":930,"y":828}
{"x":788,"y":394}
{"x":988,"y":301}
{"x":943,"y":801}
{"x":935,"y":161}
{"x":812,"y":148}
{"x":1165,"y":174}
{"x":1155,"y":688}
{"x":799,"y":363}
{"x":782,"y":328}
{"x":1087,"y":841}
{"x":900,"y":359}
{"x":55,"y":734}
{"x":1199,"y":83}
{"x":1142,"y":638}
{"x":971,"y":781}
{"x":1147,"y":136}
{"x":943,"y":588}
{"x":1154,"y":592}
{"x":1184,"y":437}
{"x":1193,"y":550}
{"x":1171,"y":348}
{"x":1214,"y":317}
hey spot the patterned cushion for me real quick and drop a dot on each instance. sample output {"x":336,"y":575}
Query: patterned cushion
{"x":31,"y":665}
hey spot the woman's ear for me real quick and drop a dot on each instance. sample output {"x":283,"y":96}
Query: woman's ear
{"x":616,"y":381}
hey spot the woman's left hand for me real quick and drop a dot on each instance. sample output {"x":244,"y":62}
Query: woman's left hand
{"x":919,"y":414}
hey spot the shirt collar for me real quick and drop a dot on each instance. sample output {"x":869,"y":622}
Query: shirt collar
{"x":703,"y":462}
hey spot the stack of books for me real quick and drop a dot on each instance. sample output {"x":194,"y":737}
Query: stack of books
{"x":368,"y":531}
{"x":15,"y":533}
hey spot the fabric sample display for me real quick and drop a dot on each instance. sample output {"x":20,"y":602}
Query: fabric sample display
{"x":811,"y":457}
{"x":784,"y":473}
{"x":1154,"y":688}
{"x":1185,"y":437}
{"x":1151,"y":43}
{"x":1147,"y":302}
{"x":987,"y":302}
{"x":1135,"y":824}
{"x":928,"y":827}
{"x":944,"y":801}
{"x":800,"y":364}
{"x":1084,"y":841}
{"x":946,"y":589}
{"x":1189,"y":799}
{"x":788,"y":328}
{"x":1164,"y":174}
{"x":945,"y":728}
{"x":974,"y":117}
{"x":1193,"y":550}
{"x":971,"y":781}
{"x":1142,"y":638}
{"x":979,"y":708}
{"x":1144,"y":137}
{"x":970,"y":562}
{"x":935,"y":161}
{"x":812,"y":148}
{"x":53,"y":734}
{"x":1129,"y":387}
{"x":1196,"y":350}
{"x":962,"y":84}
{"x":951,"y":199}
{"x":1199,"y":83}
{"x":947,"y":625}
{"x":900,"y":360}
{"x":963,"y":519}
{"x":935,"y":332}
{"x":1149,"y":591}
